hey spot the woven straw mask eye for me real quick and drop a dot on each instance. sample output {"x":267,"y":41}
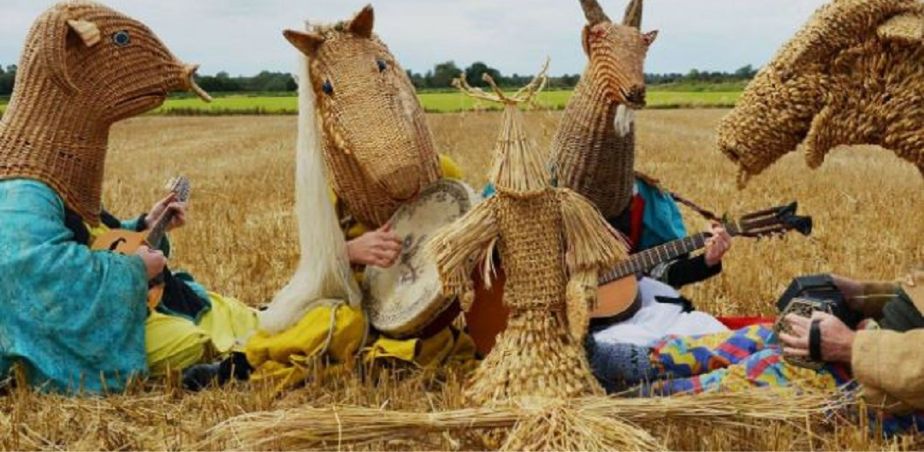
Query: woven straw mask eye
{"x":327,"y":88}
{"x":121,"y":38}
{"x":382,"y":65}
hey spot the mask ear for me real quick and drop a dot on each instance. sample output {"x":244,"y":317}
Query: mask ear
{"x":362,"y":24}
{"x":591,"y":34}
{"x":650,"y":37}
{"x":904,"y":27}
{"x":304,"y":41}
{"x":87,"y":31}
{"x":57,"y":29}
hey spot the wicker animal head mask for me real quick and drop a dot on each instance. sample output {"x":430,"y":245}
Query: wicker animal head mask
{"x":852,"y":75}
{"x":617,"y":52}
{"x":377,"y":145}
{"x":84,"y":67}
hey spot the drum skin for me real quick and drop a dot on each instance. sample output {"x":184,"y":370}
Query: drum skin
{"x":406,"y":299}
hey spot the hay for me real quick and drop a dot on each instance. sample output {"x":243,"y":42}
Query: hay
{"x":596,"y":423}
{"x":593,"y":151}
{"x":852,"y":75}
{"x":69,"y":93}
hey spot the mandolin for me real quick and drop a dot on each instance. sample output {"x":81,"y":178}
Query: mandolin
{"x":127,"y":242}
{"x":617,"y":298}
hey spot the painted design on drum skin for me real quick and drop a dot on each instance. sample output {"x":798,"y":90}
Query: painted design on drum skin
{"x":410,"y":249}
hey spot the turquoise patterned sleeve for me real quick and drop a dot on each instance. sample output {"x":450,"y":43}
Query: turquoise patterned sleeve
{"x":72,"y":317}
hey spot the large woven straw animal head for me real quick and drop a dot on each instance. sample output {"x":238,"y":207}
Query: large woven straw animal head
{"x":852,"y":75}
{"x":109,"y":65}
{"x":377,"y":145}
{"x":617,"y":52}
{"x":83,"y":68}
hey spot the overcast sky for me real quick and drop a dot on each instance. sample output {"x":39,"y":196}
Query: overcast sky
{"x":244,"y":36}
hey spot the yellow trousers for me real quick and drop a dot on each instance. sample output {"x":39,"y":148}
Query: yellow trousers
{"x":177,"y":342}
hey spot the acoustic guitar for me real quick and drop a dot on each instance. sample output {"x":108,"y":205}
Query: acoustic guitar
{"x":617,"y":298}
{"x":127,"y":242}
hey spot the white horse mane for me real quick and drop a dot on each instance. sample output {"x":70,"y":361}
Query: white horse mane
{"x":323,"y":275}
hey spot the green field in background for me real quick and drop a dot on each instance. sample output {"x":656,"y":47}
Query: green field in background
{"x":438,"y":102}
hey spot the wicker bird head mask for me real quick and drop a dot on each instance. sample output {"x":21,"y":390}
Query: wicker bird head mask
{"x":84,"y":67}
{"x":617,"y":52}
{"x":377,"y":146}
{"x":852,"y":75}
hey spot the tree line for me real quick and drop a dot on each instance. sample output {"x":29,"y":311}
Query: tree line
{"x":440,"y":77}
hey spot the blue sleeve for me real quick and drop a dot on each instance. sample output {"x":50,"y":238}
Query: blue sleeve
{"x":72,"y":316}
{"x":662,"y":221}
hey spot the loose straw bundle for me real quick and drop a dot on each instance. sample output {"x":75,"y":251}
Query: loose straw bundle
{"x":852,"y":75}
{"x":595,"y":423}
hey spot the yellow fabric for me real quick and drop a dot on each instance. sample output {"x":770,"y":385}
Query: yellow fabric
{"x":333,"y":330}
{"x":449,"y":345}
{"x":890,"y":367}
{"x":176,"y":342}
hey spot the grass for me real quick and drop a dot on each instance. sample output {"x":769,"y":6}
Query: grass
{"x":241,"y":240}
{"x":671,"y":97}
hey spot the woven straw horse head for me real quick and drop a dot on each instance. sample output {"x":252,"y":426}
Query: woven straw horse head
{"x":377,"y":145}
{"x":593,"y":151}
{"x":83,"y":68}
{"x":616,"y":52}
{"x":853,"y":75}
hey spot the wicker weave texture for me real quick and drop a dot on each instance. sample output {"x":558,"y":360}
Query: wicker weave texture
{"x":589,"y":154}
{"x":377,"y":145}
{"x":74,"y":81}
{"x":852,"y":75}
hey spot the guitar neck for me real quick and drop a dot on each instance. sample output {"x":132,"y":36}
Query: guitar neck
{"x":646,"y":260}
{"x":159,"y":230}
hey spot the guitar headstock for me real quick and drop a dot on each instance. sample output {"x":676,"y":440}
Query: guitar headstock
{"x":179,"y":185}
{"x":773,"y":221}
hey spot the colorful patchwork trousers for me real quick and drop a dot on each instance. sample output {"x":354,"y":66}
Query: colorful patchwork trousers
{"x":731,"y":361}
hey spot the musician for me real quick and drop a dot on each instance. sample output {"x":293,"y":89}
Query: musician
{"x":881,"y":354}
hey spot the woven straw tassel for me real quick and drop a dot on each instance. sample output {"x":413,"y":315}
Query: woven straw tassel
{"x":852,"y":75}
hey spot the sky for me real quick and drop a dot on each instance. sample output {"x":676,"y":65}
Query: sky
{"x":243,"y":37}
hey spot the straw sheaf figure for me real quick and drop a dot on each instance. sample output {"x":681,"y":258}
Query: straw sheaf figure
{"x":593,"y":151}
{"x":852,"y":75}
{"x":553,"y":243}
{"x":377,"y":145}
{"x":84,"y":68}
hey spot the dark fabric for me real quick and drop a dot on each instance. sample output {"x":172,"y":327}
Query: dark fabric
{"x":178,"y":299}
{"x":681,"y":301}
{"x":901,"y":314}
{"x":689,"y":270}
{"x":815,"y":340}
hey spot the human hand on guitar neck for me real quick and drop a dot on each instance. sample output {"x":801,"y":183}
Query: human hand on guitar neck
{"x":162,"y":207}
{"x":717,"y":245}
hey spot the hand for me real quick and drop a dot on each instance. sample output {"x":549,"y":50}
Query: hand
{"x":717,"y":245}
{"x":154,"y":261}
{"x":163,"y":206}
{"x":836,"y":337}
{"x":380,"y":248}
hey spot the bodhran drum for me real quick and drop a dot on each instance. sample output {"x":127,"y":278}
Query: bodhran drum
{"x":406,"y":300}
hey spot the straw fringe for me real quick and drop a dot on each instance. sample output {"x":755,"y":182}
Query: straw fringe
{"x":592,"y":423}
{"x":591,"y":242}
{"x":458,"y":247}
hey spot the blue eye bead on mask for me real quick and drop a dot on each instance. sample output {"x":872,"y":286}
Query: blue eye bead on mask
{"x":327,"y":88}
{"x":121,"y":38}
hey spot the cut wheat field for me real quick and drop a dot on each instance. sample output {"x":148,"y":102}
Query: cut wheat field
{"x":241,"y":241}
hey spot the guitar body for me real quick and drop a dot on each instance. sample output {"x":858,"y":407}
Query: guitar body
{"x":488,"y":315}
{"x":126,"y":243}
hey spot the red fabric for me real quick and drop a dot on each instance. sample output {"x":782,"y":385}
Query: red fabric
{"x":636,"y":215}
{"x":736,"y":323}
